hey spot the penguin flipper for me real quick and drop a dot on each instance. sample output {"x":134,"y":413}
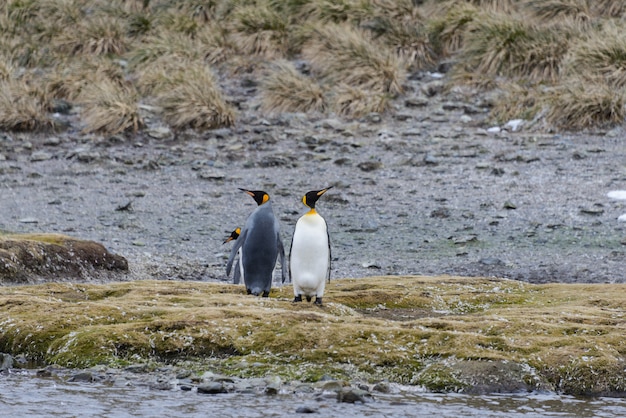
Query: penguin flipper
{"x":237,"y":273}
{"x":330,"y":255}
{"x":281,"y":252}
{"x":233,"y":251}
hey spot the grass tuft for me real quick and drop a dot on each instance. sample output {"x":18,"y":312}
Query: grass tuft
{"x":23,"y":107}
{"x":500,"y":45}
{"x":580,"y":103}
{"x":285,"y":89}
{"x":195,"y":101}
{"x":110,"y":108}
{"x":95,"y":36}
{"x":261,"y":30}
{"x":356,"y":102}
{"x":602,"y":53}
{"x":343,"y":54}
{"x":577,"y":11}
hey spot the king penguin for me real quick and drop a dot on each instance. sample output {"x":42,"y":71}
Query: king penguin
{"x":260,"y":245}
{"x":309,"y":256}
{"x":238,"y":267}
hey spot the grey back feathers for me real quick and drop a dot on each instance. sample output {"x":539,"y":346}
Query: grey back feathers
{"x":260,"y":246}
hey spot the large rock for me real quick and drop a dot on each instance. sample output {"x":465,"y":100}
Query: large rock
{"x":35,"y":258}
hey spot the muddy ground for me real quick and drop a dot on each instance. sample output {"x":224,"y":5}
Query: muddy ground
{"x":426,"y":189}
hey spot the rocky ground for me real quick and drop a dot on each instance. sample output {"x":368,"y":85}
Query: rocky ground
{"x":429,"y":189}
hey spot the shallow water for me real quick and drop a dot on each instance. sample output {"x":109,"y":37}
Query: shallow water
{"x":25,"y":395}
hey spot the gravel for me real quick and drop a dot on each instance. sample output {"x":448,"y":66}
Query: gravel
{"x":430,"y":189}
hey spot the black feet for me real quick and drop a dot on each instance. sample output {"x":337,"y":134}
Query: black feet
{"x":298,"y":298}
{"x":266,"y":294}
{"x":318,"y":301}
{"x":308,"y":298}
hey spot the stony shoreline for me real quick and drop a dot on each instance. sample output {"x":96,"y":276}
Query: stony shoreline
{"x":431,"y":189}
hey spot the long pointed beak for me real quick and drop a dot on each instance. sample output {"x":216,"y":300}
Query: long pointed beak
{"x":321,"y":192}
{"x":246,"y":191}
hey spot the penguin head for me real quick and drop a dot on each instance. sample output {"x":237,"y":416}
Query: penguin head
{"x":311,"y":197}
{"x":233,"y":235}
{"x":259,"y":196}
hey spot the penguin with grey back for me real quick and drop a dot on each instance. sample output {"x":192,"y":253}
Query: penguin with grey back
{"x":310,"y":255}
{"x":260,"y":245}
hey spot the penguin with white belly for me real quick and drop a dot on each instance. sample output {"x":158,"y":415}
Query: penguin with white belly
{"x":309,"y":256}
{"x":260,"y":245}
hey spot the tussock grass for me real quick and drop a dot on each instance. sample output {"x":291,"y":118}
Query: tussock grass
{"x":579,"y":104}
{"x":175,"y":45}
{"x":602,"y":53}
{"x":95,"y":36}
{"x":501,"y":45}
{"x":343,"y":54}
{"x":549,"y":10}
{"x":359,"y":50}
{"x":355,"y":102}
{"x":261,"y":30}
{"x":285,"y":89}
{"x":110,"y":108}
{"x":450,"y":28}
{"x":406,"y":329}
{"x":195,"y":101}
{"x":73,"y":76}
{"x":23,"y":106}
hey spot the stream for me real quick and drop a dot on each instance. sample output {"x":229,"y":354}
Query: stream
{"x":24,"y":394}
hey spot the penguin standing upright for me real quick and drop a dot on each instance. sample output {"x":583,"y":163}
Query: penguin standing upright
{"x":260,"y":246}
{"x":309,"y":256}
{"x":238,"y":267}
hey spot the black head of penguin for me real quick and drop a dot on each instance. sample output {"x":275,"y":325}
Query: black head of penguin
{"x":311,"y":197}
{"x":233,"y":235}
{"x":259,"y":196}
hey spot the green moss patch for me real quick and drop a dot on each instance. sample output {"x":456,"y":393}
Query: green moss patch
{"x":445,"y":333}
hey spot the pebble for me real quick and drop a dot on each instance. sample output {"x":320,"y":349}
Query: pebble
{"x":370,"y":165}
{"x":352,"y":395}
{"x":306,"y":410}
{"x":212,"y":388}
{"x":29,"y":220}
{"x":40,"y":156}
{"x":6,"y":362}
{"x":160,"y":132}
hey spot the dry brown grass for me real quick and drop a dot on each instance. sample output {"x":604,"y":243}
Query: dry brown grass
{"x":500,"y":45}
{"x":151,"y":48}
{"x":365,"y":46}
{"x":110,"y":108}
{"x":261,"y":30}
{"x":581,"y":103}
{"x":343,"y":54}
{"x":450,"y":28}
{"x":23,"y":106}
{"x":601,"y":53}
{"x":355,"y":102}
{"x":72,"y":76}
{"x":196,"y":101}
{"x":577,"y":11}
{"x":285,"y":89}
{"x":518,"y":102}
{"x":99,"y":35}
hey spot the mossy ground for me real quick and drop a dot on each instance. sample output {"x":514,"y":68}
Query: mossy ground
{"x":446,"y":333}
{"x":32,"y":258}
